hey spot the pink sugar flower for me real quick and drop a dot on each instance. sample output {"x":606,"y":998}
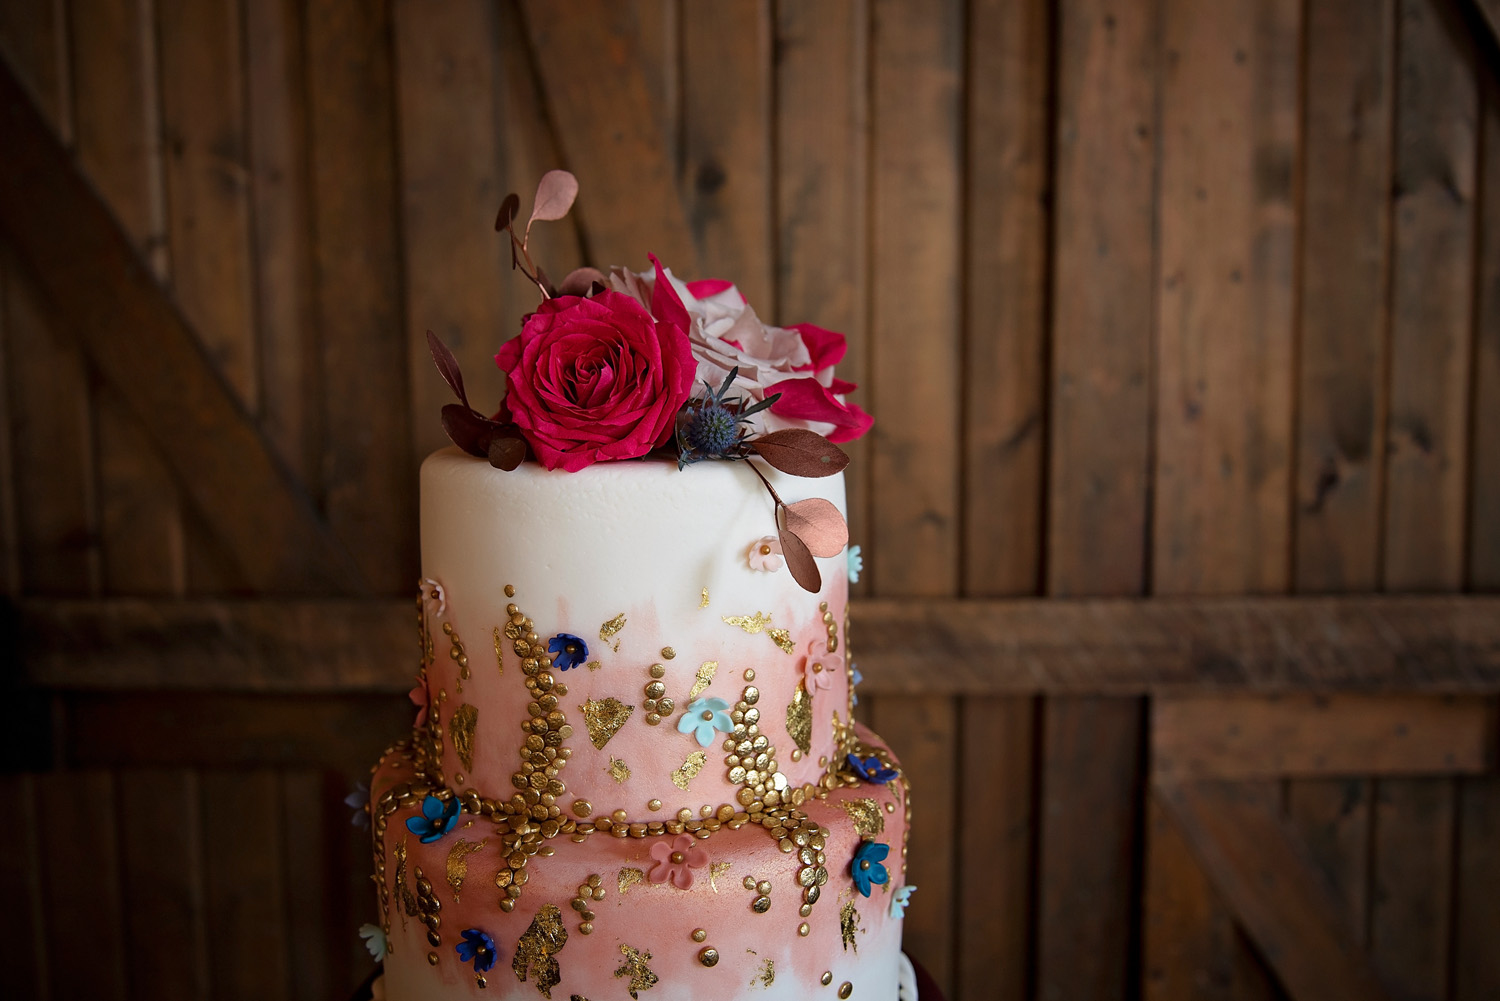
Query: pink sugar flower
{"x":418,"y":698}
{"x":764,"y":554}
{"x":820,"y":666}
{"x":676,"y":860}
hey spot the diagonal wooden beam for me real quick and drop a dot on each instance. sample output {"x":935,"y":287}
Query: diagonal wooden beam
{"x":590,"y":60}
{"x":1489,"y":16}
{"x":138,"y":341}
{"x":1277,"y":893}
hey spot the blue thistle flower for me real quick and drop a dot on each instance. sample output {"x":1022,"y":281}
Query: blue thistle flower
{"x":716,"y":426}
{"x":712,"y":430}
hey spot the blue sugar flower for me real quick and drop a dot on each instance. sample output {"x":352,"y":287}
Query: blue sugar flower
{"x":900,"y":899}
{"x":855,"y":678}
{"x":866,"y":867}
{"x":871,"y":770}
{"x":477,"y":948}
{"x":357,"y":801}
{"x":856,"y":564}
{"x":375,"y":941}
{"x":437,"y":819}
{"x":703,"y":717}
{"x":571,"y":651}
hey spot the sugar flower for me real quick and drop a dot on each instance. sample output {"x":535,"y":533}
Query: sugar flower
{"x":703,"y":717}
{"x":419,"y":698}
{"x":765,"y":554}
{"x":871,"y":770}
{"x":374,"y":937}
{"x":820,"y":667}
{"x":855,"y":678}
{"x":900,"y":899}
{"x":477,"y":948}
{"x":357,"y":801}
{"x":856,"y":564}
{"x":676,"y":860}
{"x":437,"y":819}
{"x":570,"y":650}
{"x":867,"y":868}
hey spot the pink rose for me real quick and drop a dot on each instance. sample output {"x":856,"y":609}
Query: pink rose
{"x":795,"y":361}
{"x":598,"y":379}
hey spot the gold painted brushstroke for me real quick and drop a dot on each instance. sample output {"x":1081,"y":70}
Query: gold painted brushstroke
{"x":461,"y":727}
{"x":458,"y":864}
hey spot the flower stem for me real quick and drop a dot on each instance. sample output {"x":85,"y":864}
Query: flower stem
{"x":774,"y":496}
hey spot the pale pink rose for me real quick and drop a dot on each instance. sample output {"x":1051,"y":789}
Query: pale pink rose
{"x":676,"y":860}
{"x":819,"y":666}
{"x":795,"y":361}
{"x":764,"y":554}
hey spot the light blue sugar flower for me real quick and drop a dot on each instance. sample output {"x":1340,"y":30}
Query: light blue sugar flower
{"x":855,"y":678}
{"x":900,"y":899}
{"x":374,"y":940}
{"x":357,"y":801}
{"x":856,"y":564}
{"x":705,"y":716}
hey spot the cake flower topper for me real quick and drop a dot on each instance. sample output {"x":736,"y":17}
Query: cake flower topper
{"x":605,"y":370}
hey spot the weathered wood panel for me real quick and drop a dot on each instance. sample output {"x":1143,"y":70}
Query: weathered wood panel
{"x":1484,"y":480}
{"x":1411,"y":904}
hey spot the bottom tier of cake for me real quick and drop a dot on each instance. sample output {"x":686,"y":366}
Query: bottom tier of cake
{"x":755,"y":910}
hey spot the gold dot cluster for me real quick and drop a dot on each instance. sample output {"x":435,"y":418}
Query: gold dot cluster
{"x":427,"y":908}
{"x":588,"y":892}
{"x":762,"y":890}
{"x":830,"y":625}
{"x":657,"y":703}
{"x":456,"y":654}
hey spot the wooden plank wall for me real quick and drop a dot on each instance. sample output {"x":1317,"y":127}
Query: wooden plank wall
{"x":1149,"y":298}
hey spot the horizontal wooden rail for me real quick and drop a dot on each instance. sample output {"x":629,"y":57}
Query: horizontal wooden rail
{"x":1437,"y":644}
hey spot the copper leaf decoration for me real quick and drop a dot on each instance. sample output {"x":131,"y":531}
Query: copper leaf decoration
{"x":580,"y":280}
{"x":506,"y":452}
{"x":507,"y":213}
{"x":554,"y":197}
{"x":800,"y":562}
{"x":447,"y":366}
{"x":819,"y":525}
{"x":800,"y":452}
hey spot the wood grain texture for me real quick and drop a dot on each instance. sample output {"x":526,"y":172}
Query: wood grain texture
{"x":10,"y":527}
{"x":1006,"y":258}
{"x":1244,"y":737}
{"x":1332,"y":818}
{"x":287,"y":336}
{"x":369,"y":486}
{"x":316,"y":910}
{"x":1484,"y":451}
{"x":81,"y":876}
{"x":162,"y":861}
{"x":915,"y":357}
{"x":458,"y":267}
{"x":34,"y":41}
{"x":997,"y":768}
{"x":822,"y":187}
{"x":1264,"y":645}
{"x":1476,"y":921}
{"x":1277,"y":893}
{"x":1088,"y":832}
{"x":1224,"y":345}
{"x":1187,"y":936}
{"x":244,"y":883}
{"x":587,"y":56}
{"x":1099,"y":408}
{"x":923,"y":733}
{"x":24,"y":948}
{"x":207,"y":183}
{"x":1343,"y":316}
{"x":1411,"y":907}
{"x":726,"y":156}
{"x":1432,"y":300}
{"x":94,"y":282}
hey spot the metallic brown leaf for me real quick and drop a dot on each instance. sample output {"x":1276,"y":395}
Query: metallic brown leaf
{"x":471,"y":430}
{"x":800,"y":562}
{"x":447,"y":366}
{"x":800,"y":452}
{"x":819,"y":524}
{"x":508,"y":210}
{"x":554,"y":196}
{"x":507,"y":452}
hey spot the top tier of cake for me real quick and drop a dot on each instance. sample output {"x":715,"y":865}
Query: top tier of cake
{"x":651,"y":591}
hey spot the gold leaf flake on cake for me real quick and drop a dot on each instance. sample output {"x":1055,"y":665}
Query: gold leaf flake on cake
{"x":634,"y":967}
{"x":783,"y":639}
{"x":766,"y":975}
{"x":848,"y":925}
{"x":618,"y":770}
{"x":715,"y":870}
{"x":594,"y":665}
{"x":750,"y":623}
{"x":690,"y":768}
{"x":499,"y":651}
{"x":461,"y":728}
{"x":538,"y":948}
{"x":703,"y":602}
{"x":610,"y":629}
{"x":408,"y":898}
{"x":630,"y":877}
{"x":866,"y":816}
{"x":799,"y":719}
{"x":603,"y":719}
{"x":458,"y":864}
{"x":704,"y":678}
